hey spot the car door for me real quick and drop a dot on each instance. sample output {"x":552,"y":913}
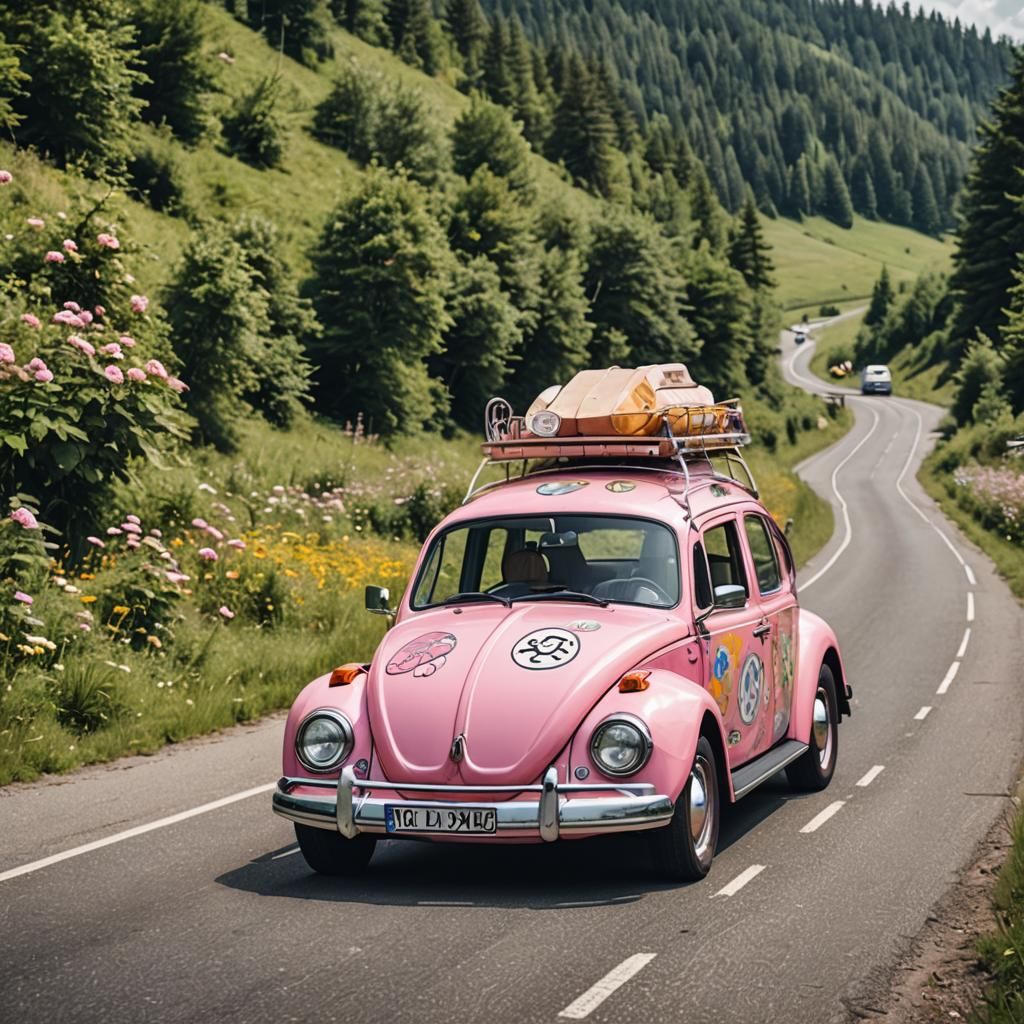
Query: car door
{"x":776,"y":596}
{"x":736,"y":671}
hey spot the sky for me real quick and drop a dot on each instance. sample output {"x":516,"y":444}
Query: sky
{"x":1002,"y":16}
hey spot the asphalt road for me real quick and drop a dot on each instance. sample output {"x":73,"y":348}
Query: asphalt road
{"x":110,"y":912}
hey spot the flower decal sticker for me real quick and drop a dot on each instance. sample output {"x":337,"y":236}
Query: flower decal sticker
{"x":422,"y":656}
{"x":546,"y":648}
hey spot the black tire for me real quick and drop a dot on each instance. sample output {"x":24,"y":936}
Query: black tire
{"x":330,"y":853}
{"x":679,"y":855}
{"x":813,"y":772}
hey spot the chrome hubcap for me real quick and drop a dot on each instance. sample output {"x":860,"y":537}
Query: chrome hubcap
{"x":702,"y":811}
{"x":822,"y":731}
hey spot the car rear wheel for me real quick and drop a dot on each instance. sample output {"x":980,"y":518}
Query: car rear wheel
{"x":330,"y":853}
{"x":814,"y":770}
{"x":683,"y":849}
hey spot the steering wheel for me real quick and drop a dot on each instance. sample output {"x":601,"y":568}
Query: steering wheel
{"x":651,"y":585}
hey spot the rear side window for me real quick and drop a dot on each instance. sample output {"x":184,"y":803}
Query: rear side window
{"x":725,"y":558}
{"x":766,"y":564}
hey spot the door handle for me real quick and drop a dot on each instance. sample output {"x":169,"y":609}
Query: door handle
{"x":762,"y":630}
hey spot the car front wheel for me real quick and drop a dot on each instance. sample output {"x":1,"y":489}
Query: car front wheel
{"x":683,"y":849}
{"x":330,"y":853}
{"x":813,"y":771}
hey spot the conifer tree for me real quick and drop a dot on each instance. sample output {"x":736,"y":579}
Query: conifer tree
{"x":835,"y":201}
{"x":364,"y":18}
{"x":862,"y":190}
{"x":486,"y":134}
{"x":749,"y":253}
{"x":881,"y":299}
{"x":468,"y":28}
{"x":709,"y":218}
{"x":415,"y":35}
{"x":799,"y":197}
{"x":298,"y":27}
{"x":926,"y":213}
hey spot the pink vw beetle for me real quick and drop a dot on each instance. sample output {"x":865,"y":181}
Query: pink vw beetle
{"x":608,"y":639}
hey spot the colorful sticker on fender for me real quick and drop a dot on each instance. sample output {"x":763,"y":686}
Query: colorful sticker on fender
{"x":422,"y":656}
{"x":723,"y":669}
{"x":749,"y":693}
{"x":546,"y":648}
{"x":562,"y":487}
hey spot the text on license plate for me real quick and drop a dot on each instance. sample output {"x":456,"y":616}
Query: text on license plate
{"x":470,"y":821}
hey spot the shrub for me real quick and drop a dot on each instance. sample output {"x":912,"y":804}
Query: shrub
{"x":253,"y":129}
{"x":156,"y":177}
{"x":828,"y":310}
{"x":85,"y":698}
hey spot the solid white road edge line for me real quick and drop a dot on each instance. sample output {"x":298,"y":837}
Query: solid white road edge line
{"x":130,"y":833}
{"x":819,"y":819}
{"x":970,"y":605}
{"x":871,"y":775}
{"x":950,"y":676}
{"x":848,"y":528}
{"x":610,"y":983}
{"x":923,"y":713}
{"x":963,"y":643}
{"x":740,"y":880}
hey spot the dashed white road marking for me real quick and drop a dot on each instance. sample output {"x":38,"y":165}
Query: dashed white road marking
{"x":740,"y":880}
{"x":130,"y":833}
{"x":581,"y":1008}
{"x":871,"y":775}
{"x":287,"y":853}
{"x":819,"y":819}
{"x":970,"y":606}
{"x":948,"y":680}
{"x":963,"y":643}
{"x":970,"y":575}
{"x":922,"y":714}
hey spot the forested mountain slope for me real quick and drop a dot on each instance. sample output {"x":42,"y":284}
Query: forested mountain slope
{"x":803,"y":100}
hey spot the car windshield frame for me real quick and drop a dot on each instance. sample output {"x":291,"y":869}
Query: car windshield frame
{"x":551,"y":596}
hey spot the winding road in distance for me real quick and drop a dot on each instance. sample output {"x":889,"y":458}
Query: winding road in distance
{"x":124,"y":899}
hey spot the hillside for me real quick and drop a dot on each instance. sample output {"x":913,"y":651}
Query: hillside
{"x":781,"y":95}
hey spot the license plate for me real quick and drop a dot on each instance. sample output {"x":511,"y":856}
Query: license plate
{"x":461,"y":820}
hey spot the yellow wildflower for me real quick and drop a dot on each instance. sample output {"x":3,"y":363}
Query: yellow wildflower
{"x":87,"y":599}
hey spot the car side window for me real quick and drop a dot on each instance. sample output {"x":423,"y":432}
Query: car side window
{"x":766,"y":564}
{"x":703,"y":597}
{"x":725,"y":556}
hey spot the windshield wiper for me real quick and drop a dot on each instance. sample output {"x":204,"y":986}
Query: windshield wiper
{"x":564,"y":595}
{"x":476,"y":595}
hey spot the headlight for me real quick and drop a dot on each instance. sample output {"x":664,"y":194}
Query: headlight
{"x":323,"y":740}
{"x":621,"y":745}
{"x":545,"y":423}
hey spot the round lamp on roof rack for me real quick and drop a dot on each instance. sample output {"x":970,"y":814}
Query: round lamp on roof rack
{"x":545,"y":423}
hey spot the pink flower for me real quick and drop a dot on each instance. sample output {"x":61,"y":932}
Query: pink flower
{"x":36,"y":223}
{"x":106,"y":241}
{"x":214,"y":533}
{"x":177,"y":385}
{"x":54,"y":257}
{"x":235,"y":543}
{"x":176,"y":577}
{"x":113,"y":531}
{"x":96,"y":542}
{"x":68,"y":317}
{"x":23,"y":517}
{"x":101,"y":310}
{"x":69,"y":245}
{"x":226,"y":612}
{"x":127,"y":341}
{"x":6,"y":177}
{"x":35,"y":364}
{"x":139,"y":303}
{"x":6,"y":353}
{"x":44,"y":376}
{"x":73,"y":306}
{"x":113,"y":350}
{"x":208,"y":553}
{"x":156,"y":369}
{"x":86,"y":316}
{"x":131,"y":528}
{"x":81,"y":344}
{"x":155,"y":532}
{"x":85,"y":627}
{"x":133,"y":543}
{"x":31,"y":319}
{"x":133,"y":519}
{"x":136,"y":375}
{"x":200,"y":524}
{"x":22,"y":597}
{"x":113,"y":374}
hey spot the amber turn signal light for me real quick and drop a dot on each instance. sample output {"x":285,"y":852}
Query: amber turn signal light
{"x":634,"y":682}
{"x":345,"y":674}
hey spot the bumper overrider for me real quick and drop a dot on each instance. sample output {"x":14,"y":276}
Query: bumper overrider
{"x":353,"y":807}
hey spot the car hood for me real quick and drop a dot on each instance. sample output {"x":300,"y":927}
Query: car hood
{"x":514,"y":683}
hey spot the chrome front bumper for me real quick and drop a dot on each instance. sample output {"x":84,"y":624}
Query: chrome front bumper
{"x":558,"y":808}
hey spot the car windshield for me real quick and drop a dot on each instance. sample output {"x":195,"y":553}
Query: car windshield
{"x":590,"y":559}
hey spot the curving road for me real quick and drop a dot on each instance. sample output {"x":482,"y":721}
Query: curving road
{"x":124,"y":898}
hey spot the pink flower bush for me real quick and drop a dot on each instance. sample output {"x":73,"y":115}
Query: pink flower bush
{"x":995,"y":496}
{"x":81,"y":344}
{"x":126,"y":340}
{"x":36,"y":223}
{"x":54,"y":257}
{"x":73,"y":306}
{"x":86,"y":316}
{"x":106,"y":241}
{"x":24,"y":518}
{"x":113,"y":374}
{"x":139,"y":303}
{"x":113,"y":350}
{"x":225,"y":612}
{"x":69,"y":318}
{"x":44,"y":376}
{"x":31,"y":319}
{"x":35,"y":364}
{"x":209,"y":554}
{"x":136,"y":375}
{"x":156,"y":369}
{"x":6,"y":177}
{"x":69,"y":245}
{"x":6,"y":354}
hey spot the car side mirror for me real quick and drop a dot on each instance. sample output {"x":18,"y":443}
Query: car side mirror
{"x":730,"y":595}
{"x":377,"y":601}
